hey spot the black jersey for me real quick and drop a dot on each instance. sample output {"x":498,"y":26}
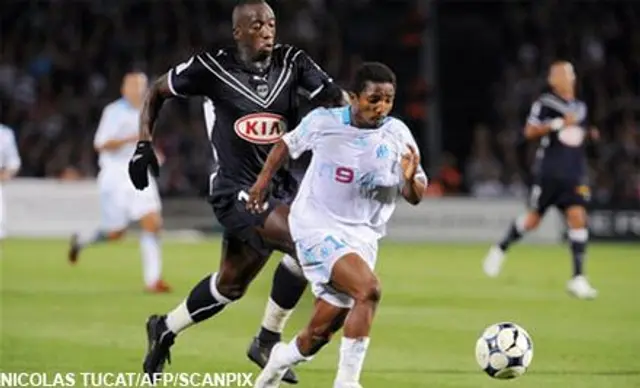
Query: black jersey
{"x":560,"y":155}
{"x":252,"y":109}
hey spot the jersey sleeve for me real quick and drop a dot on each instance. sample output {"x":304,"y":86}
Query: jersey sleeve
{"x":11,"y":158}
{"x":311,"y":77}
{"x":108,"y":126}
{"x":406,"y":137}
{"x":535,"y":117}
{"x":304,"y":136}
{"x":188,"y":78}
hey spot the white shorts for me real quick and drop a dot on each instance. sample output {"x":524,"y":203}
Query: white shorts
{"x":318,"y":252}
{"x":121,"y":203}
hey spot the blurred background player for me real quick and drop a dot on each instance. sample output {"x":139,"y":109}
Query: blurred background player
{"x":9,"y":166}
{"x":559,"y":121}
{"x":360,"y":159}
{"x":252,"y":98}
{"x":121,"y":203}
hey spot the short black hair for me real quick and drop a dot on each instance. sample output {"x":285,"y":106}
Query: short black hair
{"x":372,"y":72}
{"x":240,"y":4}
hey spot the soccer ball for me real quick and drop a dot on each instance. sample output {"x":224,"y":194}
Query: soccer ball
{"x":504,"y":350}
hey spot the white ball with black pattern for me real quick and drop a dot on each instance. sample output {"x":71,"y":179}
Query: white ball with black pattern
{"x":504,"y":350}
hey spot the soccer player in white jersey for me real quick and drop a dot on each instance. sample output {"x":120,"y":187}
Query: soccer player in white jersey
{"x":121,"y":203}
{"x":362,"y":159}
{"x":9,"y":166}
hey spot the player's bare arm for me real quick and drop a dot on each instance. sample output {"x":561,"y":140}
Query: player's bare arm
{"x":114,"y":144}
{"x":533,"y":131}
{"x":277,"y":156}
{"x":158,"y":93}
{"x":414,"y":186}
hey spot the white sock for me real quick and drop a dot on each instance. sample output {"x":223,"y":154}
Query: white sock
{"x":275,"y":317}
{"x":520,"y":224}
{"x":151,"y":260}
{"x":352,"y":354}
{"x":287,"y":355}
{"x":179,"y":319}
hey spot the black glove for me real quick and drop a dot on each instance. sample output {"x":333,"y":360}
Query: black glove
{"x":143,"y":160}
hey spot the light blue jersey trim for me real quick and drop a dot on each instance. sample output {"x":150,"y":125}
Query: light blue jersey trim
{"x":346,"y":115}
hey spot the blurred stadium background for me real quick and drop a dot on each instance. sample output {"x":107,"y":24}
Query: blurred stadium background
{"x":467,"y":73}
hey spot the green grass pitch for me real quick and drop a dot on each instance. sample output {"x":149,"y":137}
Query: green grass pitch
{"x":436,"y":301}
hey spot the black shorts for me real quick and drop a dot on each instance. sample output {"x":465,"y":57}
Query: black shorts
{"x":547,"y":192}
{"x":228,"y":200}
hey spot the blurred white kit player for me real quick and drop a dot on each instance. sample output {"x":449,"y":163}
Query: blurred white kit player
{"x":345,"y":200}
{"x":9,"y":166}
{"x":120,"y":202}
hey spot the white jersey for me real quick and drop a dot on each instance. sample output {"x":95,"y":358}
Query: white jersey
{"x":9,"y":160}
{"x":119,"y":120}
{"x":9,"y":156}
{"x":354,"y":177}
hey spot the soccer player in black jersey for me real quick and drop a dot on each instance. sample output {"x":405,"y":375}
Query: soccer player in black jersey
{"x":559,"y":121}
{"x":253,"y":88}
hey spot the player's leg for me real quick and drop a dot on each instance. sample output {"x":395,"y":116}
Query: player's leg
{"x":146,"y":208}
{"x":239,"y":265}
{"x":573,"y":205}
{"x":114,"y":221}
{"x":354,"y":276}
{"x":540,"y":199}
{"x":287,"y":289}
{"x":325,"y":321}
{"x":352,"y":283}
{"x":151,"y":252}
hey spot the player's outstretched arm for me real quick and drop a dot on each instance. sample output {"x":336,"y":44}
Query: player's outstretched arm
{"x":156,"y":96}
{"x":275,"y":160}
{"x":538,"y":124}
{"x":535,"y":131}
{"x":144,"y":159}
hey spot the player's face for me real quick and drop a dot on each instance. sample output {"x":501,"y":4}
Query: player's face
{"x":373,"y":104}
{"x":256,"y":29}
{"x":134,"y":87}
{"x":562,"y":77}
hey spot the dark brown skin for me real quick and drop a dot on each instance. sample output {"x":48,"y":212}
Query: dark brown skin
{"x":254,"y":30}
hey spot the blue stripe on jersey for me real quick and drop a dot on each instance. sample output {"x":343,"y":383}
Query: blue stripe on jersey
{"x":346,"y":115}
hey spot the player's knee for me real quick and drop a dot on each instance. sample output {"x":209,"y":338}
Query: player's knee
{"x":116,"y":234}
{"x":532,"y":221}
{"x":369,"y":292}
{"x":151,"y":223}
{"x":232,"y":291}
{"x":576,"y":218}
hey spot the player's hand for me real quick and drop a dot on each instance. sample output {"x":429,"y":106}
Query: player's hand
{"x":257,"y":194}
{"x":143,"y":160}
{"x":594,"y":134}
{"x":409,"y":163}
{"x":569,"y":119}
